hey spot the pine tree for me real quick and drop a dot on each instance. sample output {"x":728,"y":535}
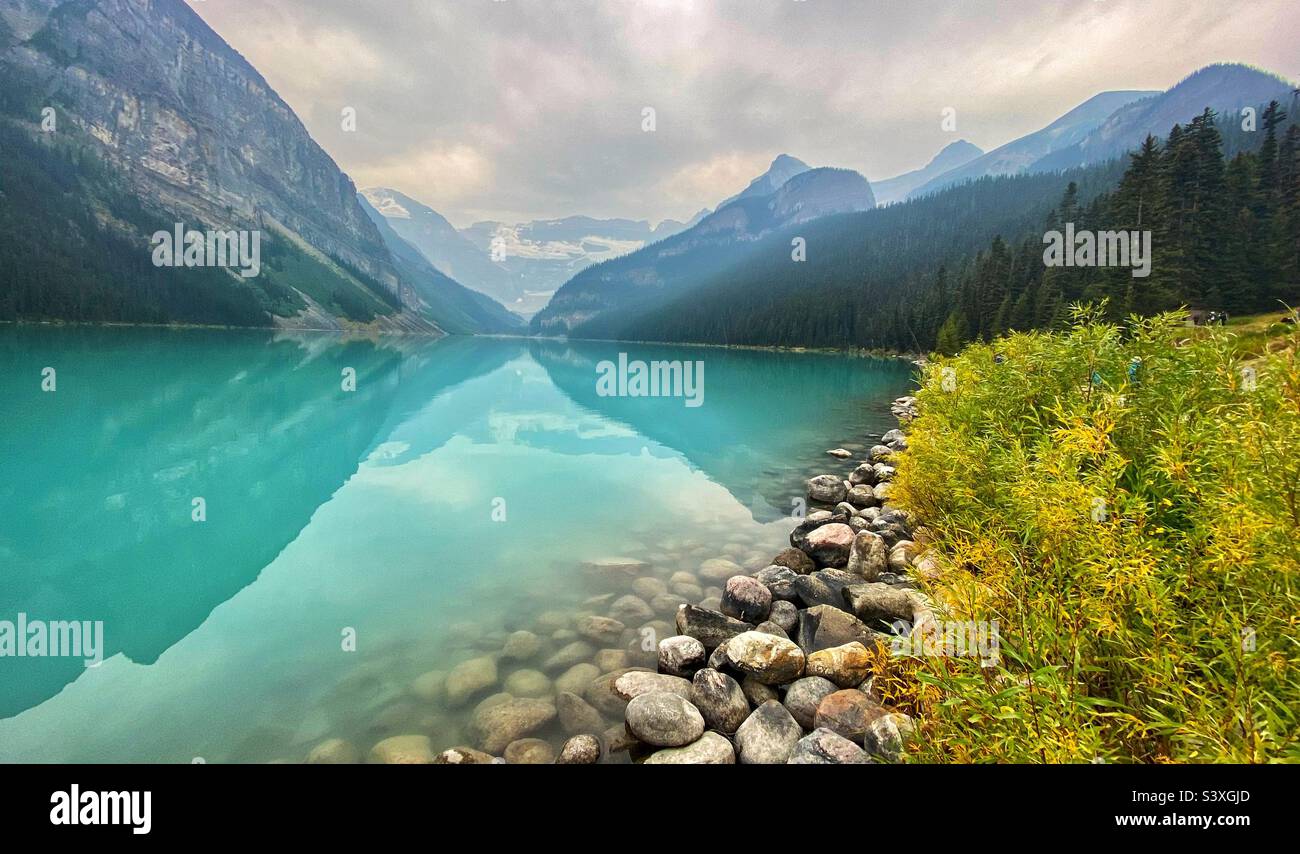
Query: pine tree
{"x":952,"y":335}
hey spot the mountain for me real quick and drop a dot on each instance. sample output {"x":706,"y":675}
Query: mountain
{"x":445,"y":247}
{"x":1225,"y":88}
{"x":121,"y":118}
{"x":669,"y":227}
{"x":967,"y":262}
{"x":593,"y":303}
{"x":1021,"y":154}
{"x":1112,"y":123}
{"x":954,"y":154}
{"x":460,"y":310}
{"x":865,"y":273}
{"x":808,"y":195}
{"x":783,"y":168}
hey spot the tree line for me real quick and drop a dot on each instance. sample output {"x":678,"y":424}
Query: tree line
{"x":1225,"y":236}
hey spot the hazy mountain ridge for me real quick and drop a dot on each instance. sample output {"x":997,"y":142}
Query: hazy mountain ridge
{"x":1019,"y":155}
{"x":1224,"y":88}
{"x":444,"y":247}
{"x":1112,"y":123}
{"x":783,"y":168}
{"x":953,"y":155}
{"x":712,"y":243}
{"x":460,"y":310}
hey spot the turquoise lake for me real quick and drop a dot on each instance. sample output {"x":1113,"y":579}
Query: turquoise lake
{"x":451,"y":498}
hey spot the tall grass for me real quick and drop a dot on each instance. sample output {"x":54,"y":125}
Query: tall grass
{"x":1125,"y":502}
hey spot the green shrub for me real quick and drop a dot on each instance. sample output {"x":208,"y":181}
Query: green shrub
{"x":1127,"y":508}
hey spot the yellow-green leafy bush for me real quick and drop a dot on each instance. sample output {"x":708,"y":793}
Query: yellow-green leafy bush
{"x":1125,"y":503}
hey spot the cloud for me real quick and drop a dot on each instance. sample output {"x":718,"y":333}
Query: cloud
{"x":454,"y":173}
{"x":527,"y":109}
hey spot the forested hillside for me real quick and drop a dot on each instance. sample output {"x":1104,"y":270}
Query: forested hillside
{"x":1221,"y":203}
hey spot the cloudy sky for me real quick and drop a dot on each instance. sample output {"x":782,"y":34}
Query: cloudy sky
{"x":522,"y":109}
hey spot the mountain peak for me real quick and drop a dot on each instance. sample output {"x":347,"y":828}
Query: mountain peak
{"x":951,"y":156}
{"x":387,"y":202}
{"x":783,"y":168}
{"x":785,"y":161}
{"x":1221,"y":73}
{"x":955,"y":154}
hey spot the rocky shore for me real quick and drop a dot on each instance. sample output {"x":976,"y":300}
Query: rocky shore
{"x":759,"y":664}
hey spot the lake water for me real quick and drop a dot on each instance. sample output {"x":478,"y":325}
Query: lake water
{"x":453,"y":497}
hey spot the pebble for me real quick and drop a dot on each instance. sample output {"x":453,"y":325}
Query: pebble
{"x":786,"y":615}
{"x":576,"y":679}
{"x":528,"y":683}
{"x":868,"y":557}
{"x":719,"y":569}
{"x":529,"y":751}
{"x":875,"y":600}
{"x":569,"y":655}
{"x":681,"y":655}
{"x":795,"y":560}
{"x":757,"y":693}
{"x":826,"y":488}
{"x":463,"y":756}
{"x":634,"y":683}
{"x":708,"y":749}
{"x":402,"y":750}
{"x":496,"y":722}
{"x":887,"y":736}
{"x":720,"y":700}
{"x":631,"y":609}
{"x":746,"y":599}
{"x":580,"y":750}
{"x":803,"y":696}
{"x":614,"y":571}
{"x":823,"y":626}
{"x":648,"y":588}
{"x":829,"y":545}
{"x":861,"y":497}
{"x":611,"y":659}
{"x":825,"y":747}
{"x":848,"y":713}
{"x":661,"y":719}
{"x":469,"y":678}
{"x":708,"y":627}
{"x":847,"y":665}
{"x":604,"y":631}
{"x":576,"y":714}
{"x":768,"y":736}
{"x":865,"y":474}
{"x":779,"y":581}
{"x":768,"y":658}
{"x":521,"y":646}
{"x":902,"y":554}
{"x":600,"y":692}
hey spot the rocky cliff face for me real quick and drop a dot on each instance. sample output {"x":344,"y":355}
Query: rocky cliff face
{"x":190,"y":124}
